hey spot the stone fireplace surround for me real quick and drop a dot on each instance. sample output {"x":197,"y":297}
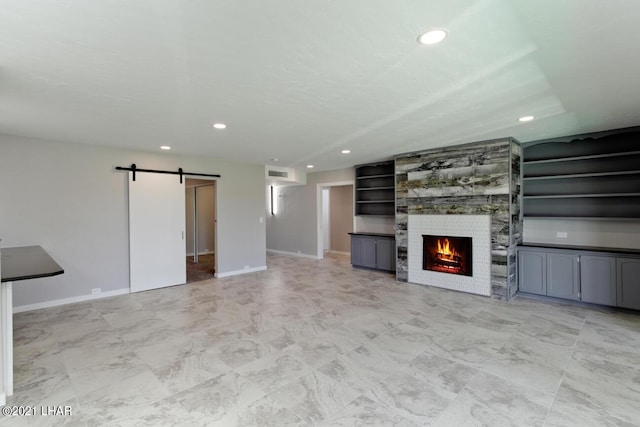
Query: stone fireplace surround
{"x":477,"y":227}
{"x":482,"y":178}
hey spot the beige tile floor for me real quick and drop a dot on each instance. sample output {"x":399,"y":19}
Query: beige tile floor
{"x":319,"y":343}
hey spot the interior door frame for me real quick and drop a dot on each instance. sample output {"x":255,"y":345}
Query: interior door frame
{"x":214,"y":184}
{"x":319,"y":188}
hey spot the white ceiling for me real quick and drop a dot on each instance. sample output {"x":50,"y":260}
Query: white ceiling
{"x":302,"y":80}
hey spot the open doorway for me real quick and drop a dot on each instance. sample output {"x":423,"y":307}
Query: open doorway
{"x":335,"y":218}
{"x":201,"y":238}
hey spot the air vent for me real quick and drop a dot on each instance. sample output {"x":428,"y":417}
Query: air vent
{"x":279,"y":174}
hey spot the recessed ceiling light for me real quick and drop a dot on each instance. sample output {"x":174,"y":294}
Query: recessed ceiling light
{"x":165,"y":147}
{"x":526,"y":118}
{"x":432,"y":36}
{"x":275,"y":159}
{"x":219,"y":125}
{"x":310,"y":166}
{"x":346,"y":151}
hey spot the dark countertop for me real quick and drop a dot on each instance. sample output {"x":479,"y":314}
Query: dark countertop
{"x":581,"y":248}
{"x":373,"y":234}
{"x":27,"y":262}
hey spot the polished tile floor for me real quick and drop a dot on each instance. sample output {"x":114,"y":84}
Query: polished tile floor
{"x":319,"y":343}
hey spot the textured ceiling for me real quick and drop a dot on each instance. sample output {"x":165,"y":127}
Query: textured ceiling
{"x":302,"y":80}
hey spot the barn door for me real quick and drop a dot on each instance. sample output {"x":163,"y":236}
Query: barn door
{"x":157,"y":252}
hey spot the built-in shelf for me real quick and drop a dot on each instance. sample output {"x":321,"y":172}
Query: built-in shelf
{"x":592,"y":178}
{"x":375,"y":189}
{"x":582,"y":175}
{"x":375,"y":176}
{"x":578,"y":196}
{"x":588,"y":157}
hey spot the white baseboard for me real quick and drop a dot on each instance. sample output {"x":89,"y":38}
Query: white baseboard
{"x":71,"y":300}
{"x":339,"y":252}
{"x":292,"y":254}
{"x":237,"y":272}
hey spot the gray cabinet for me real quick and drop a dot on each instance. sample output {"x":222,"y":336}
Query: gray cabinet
{"x":363,"y":251}
{"x":532,"y":272}
{"x":563,"y":280}
{"x":386,"y":254}
{"x":598,"y":279}
{"x":373,"y":251}
{"x":590,"y":275}
{"x":628,"y":285}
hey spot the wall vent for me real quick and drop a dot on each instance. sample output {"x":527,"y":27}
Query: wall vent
{"x":279,"y":174}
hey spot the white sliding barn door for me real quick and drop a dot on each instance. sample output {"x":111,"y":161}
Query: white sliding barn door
{"x":157,"y":253}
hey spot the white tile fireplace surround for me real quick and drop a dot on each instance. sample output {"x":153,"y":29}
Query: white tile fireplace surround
{"x":478,"y":227}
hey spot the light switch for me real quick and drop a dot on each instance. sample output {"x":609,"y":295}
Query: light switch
{"x":261,"y":220}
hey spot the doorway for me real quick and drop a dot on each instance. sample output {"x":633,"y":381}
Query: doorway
{"x":335,"y":218}
{"x":201,"y":232}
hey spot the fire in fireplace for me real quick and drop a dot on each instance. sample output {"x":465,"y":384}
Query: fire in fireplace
{"x":447,"y":254}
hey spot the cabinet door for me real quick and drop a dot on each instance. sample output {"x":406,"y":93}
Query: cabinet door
{"x":598,"y":279}
{"x":532,"y":272}
{"x":386,"y":254}
{"x":562,"y":276}
{"x":363,"y":251}
{"x":628,"y":283}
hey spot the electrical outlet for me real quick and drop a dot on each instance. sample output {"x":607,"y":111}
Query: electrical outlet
{"x":95,"y":291}
{"x":246,"y":267}
{"x":562,"y":234}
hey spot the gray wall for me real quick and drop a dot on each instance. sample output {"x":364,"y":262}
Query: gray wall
{"x":69,"y":199}
{"x":341,"y":217}
{"x":294,"y":227}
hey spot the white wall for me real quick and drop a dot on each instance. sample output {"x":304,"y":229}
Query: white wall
{"x":608,"y":234}
{"x":68,"y":199}
{"x":375,"y":224}
{"x":206,"y":217}
{"x":326,"y":237}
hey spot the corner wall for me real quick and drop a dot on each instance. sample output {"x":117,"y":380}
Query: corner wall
{"x":68,"y":199}
{"x":294,"y":227}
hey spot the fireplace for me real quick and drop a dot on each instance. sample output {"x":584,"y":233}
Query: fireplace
{"x":447,"y":254}
{"x":477,"y":253}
